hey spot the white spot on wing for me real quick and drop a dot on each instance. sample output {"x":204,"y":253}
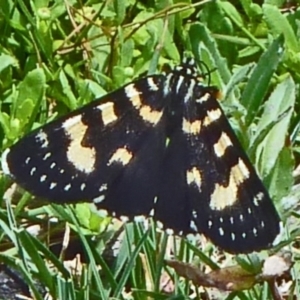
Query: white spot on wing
{"x":47,"y":155}
{"x":193,"y":225}
{"x":254,"y":231}
{"x":43,"y":178}
{"x":99,"y":199}
{"x":4,"y":163}
{"x":42,"y":138}
{"x":53,"y":185}
{"x":258,"y":198}
{"x":32,"y":171}
{"x":67,"y":187}
{"x":103,"y":187}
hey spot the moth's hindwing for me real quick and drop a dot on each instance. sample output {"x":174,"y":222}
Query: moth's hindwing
{"x":160,"y":146}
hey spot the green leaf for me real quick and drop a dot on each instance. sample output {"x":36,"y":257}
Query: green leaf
{"x":6,"y":61}
{"x":205,"y":48}
{"x":278,"y":108}
{"x":32,"y":87}
{"x":67,"y":91}
{"x":258,"y":83}
{"x":231,"y":11}
{"x":280,"y":179}
{"x":120,"y":9}
{"x":24,"y":111}
{"x":278,"y":24}
{"x":30,"y":95}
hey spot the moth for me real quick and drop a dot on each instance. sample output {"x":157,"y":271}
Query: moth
{"x":160,"y":146}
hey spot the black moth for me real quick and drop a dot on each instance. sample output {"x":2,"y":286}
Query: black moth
{"x":160,"y":146}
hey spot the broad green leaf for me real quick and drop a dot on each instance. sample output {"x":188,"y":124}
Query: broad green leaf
{"x":237,"y":77}
{"x":24,"y":111}
{"x":279,"y":107}
{"x":231,"y":11}
{"x":258,"y":83}
{"x":32,"y":87}
{"x":89,"y":218}
{"x":6,"y":61}
{"x":280,"y":179}
{"x":278,"y":3}
{"x":67,"y":91}
{"x":278,"y":24}
{"x":127,"y":52}
{"x":94,"y":88}
{"x":30,"y":95}
{"x":248,"y":51}
{"x":120,"y":9}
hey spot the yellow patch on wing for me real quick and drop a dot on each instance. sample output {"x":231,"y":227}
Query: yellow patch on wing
{"x":193,"y":176}
{"x":224,"y":196}
{"x":133,"y":95}
{"x":204,"y":98}
{"x":149,"y":115}
{"x":145,"y":111}
{"x":152,"y":85}
{"x":107,"y":113}
{"x":121,"y":155}
{"x":82,"y":158}
{"x":212,"y":116}
{"x":222,"y":144}
{"x":191,"y":127}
